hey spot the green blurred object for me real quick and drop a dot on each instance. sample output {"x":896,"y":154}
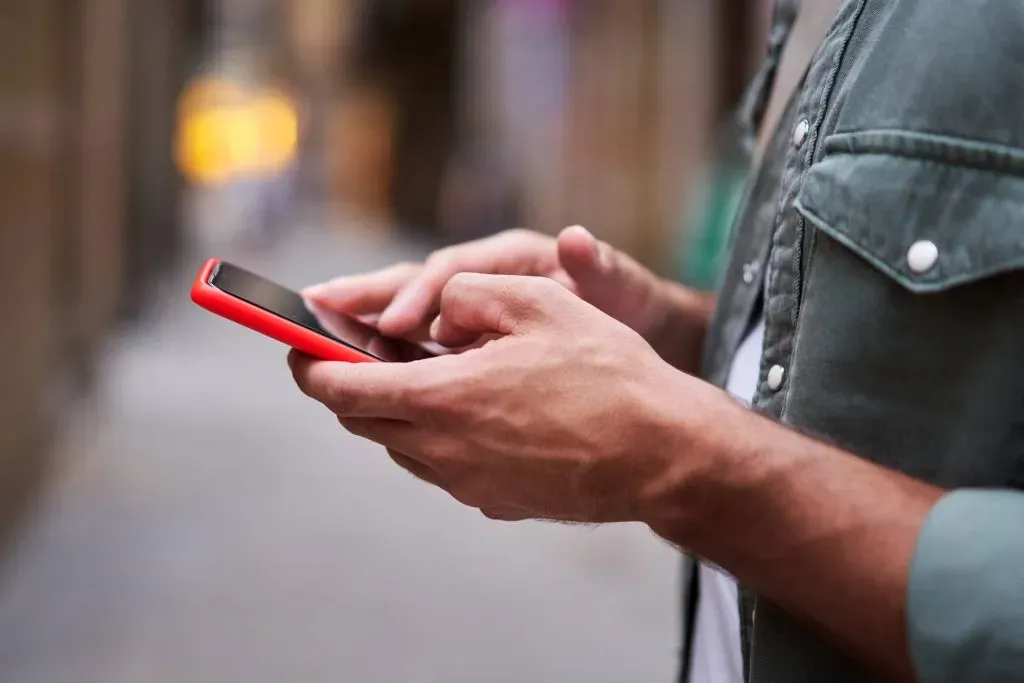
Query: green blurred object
{"x":708,"y":225}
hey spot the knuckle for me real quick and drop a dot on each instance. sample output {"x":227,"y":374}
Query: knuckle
{"x":455,"y":288}
{"x":352,"y":426}
{"x":517,"y":234}
{"x":501,"y":514}
{"x":463,"y":491}
{"x":427,"y":400}
{"x":310,"y":381}
{"x":543,"y":288}
{"x":415,"y":392}
{"x":443,"y":258}
{"x":460,"y":281}
{"x":407,"y":267}
{"x":516,"y":302}
{"x":543,"y":293}
{"x":298,"y":372}
{"x":521,"y":299}
{"x":506,"y":309}
{"x":434,"y":402}
{"x":477,"y":490}
{"x":341,"y":401}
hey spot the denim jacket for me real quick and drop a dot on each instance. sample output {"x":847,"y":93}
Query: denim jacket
{"x":883,"y":243}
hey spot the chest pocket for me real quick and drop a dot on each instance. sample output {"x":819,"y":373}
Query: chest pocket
{"x":910,"y":347}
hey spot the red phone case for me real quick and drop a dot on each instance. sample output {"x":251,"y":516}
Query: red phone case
{"x":266,"y":323}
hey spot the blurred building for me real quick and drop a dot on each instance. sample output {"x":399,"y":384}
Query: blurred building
{"x":89,"y":200}
{"x":465,"y":117}
{"x":442,"y":118}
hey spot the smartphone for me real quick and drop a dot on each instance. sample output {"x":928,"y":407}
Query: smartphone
{"x":282,"y":314}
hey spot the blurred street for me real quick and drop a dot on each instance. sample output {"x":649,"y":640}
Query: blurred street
{"x":206,"y":522}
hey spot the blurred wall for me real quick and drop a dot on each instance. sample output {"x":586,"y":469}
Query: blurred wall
{"x":88,"y":203}
{"x":641,"y":106}
{"x":164,"y":46}
{"x":398,"y":107}
{"x":461,"y":117}
{"x":31,"y":155}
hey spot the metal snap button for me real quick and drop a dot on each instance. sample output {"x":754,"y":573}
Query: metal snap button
{"x":922,"y":255}
{"x":800,"y":134}
{"x":776,"y":375}
{"x":750,"y":271}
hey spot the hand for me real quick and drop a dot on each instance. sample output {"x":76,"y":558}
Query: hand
{"x":569,"y":415}
{"x":403,"y":300}
{"x":563,"y":416}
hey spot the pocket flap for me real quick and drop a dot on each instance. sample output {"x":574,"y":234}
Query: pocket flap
{"x":927,"y":223}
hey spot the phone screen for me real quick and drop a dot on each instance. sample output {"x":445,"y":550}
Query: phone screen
{"x":289,"y":305}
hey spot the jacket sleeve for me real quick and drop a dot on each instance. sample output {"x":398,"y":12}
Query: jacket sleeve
{"x":965,"y":603}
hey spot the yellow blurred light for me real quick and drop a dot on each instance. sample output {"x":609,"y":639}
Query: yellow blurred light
{"x":225,"y":133}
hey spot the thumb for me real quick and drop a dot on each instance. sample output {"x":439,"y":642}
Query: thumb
{"x":606,"y":277}
{"x":474,"y":305}
{"x":581,"y":254}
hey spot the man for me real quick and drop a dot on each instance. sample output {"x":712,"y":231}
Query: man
{"x":871,"y":505}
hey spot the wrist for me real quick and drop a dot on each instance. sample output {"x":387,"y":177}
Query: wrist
{"x":679,"y":331}
{"x":694,"y":430}
{"x":824,"y":535}
{"x":727,"y":472}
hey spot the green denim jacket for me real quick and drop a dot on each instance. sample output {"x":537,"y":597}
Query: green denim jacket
{"x":883,"y":242}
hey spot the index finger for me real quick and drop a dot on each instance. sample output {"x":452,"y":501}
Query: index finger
{"x":473,"y":305}
{"x":420,"y":299}
{"x":365,"y":294}
{"x":380,"y":390}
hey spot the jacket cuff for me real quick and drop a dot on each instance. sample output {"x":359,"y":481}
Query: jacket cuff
{"x":965,"y":601}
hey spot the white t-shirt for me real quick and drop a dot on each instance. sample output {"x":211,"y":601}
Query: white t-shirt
{"x":717,"y":655}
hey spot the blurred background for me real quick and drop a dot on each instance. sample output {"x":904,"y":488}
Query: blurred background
{"x":170,"y":508}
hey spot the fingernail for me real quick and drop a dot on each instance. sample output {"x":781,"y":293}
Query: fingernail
{"x":435,"y":328}
{"x":313,"y":292}
{"x":402,"y":300}
{"x":601,"y":250}
{"x":386,"y":315}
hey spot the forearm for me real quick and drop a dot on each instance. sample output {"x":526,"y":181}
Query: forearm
{"x":827,"y":536}
{"x":679,"y":337}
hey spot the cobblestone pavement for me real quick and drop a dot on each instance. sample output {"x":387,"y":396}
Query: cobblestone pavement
{"x":206,"y":523}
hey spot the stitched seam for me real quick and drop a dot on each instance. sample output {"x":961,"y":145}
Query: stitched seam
{"x":794,"y":364}
{"x":826,"y":96}
{"x":952,"y":151}
{"x":803,"y":273}
{"x":1012,"y":263}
